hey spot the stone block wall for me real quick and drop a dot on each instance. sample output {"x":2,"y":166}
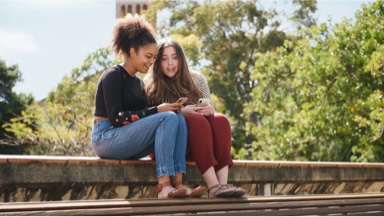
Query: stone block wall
{"x":52,"y":178}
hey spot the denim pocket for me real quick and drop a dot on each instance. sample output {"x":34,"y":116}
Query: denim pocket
{"x":101,"y":130}
{"x":107,"y":133}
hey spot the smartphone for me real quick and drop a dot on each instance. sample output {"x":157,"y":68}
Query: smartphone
{"x":182,"y":100}
{"x":203,"y":102}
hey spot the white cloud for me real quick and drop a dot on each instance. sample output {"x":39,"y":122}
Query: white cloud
{"x":16,"y":41}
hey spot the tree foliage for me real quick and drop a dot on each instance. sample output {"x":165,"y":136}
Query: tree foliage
{"x":321,"y":97}
{"x":62,"y":124}
{"x":11,"y":103}
{"x":230,"y":35}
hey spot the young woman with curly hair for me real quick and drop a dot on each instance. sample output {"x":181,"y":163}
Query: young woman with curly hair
{"x":124,"y":127}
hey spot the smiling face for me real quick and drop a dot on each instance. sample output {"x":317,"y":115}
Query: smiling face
{"x":144,"y":58}
{"x":169,"y":62}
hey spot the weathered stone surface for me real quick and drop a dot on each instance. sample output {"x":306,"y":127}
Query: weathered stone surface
{"x":36,"y":178}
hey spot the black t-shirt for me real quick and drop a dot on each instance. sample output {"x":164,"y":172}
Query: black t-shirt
{"x":121,"y":98}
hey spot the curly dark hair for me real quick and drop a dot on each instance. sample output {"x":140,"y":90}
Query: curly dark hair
{"x":131,"y":32}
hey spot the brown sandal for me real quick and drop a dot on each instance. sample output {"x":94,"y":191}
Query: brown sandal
{"x":196,"y":192}
{"x":177,"y":193}
{"x":221,"y":191}
{"x":239,"y":192}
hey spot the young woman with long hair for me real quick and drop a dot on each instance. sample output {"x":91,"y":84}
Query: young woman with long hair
{"x":209,"y":133}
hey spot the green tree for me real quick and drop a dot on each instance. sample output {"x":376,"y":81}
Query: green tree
{"x":302,"y":14}
{"x":231,"y":34}
{"x":62,"y":124}
{"x":321,"y":97}
{"x":11,"y":103}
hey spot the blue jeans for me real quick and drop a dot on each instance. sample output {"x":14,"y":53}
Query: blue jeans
{"x":164,"y":133}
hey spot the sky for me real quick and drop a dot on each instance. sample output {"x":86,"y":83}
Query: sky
{"x":47,"y":38}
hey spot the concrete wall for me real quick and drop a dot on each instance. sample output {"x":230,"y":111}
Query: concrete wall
{"x":46,"y":178}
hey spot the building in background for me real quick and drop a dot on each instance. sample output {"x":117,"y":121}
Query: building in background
{"x":123,"y":7}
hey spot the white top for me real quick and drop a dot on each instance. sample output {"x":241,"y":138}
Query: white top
{"x":203,"y":87}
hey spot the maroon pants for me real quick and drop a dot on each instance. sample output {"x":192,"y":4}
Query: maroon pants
{"x":209,"y":141}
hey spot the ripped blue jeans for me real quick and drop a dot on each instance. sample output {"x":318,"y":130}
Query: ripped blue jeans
{"x":164,"y":133}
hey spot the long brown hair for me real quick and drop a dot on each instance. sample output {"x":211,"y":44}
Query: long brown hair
{"x":161,"y":88}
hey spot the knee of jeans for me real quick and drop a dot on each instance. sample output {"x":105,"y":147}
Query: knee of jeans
{"x":181,"y":118}
{"x":172,"y":116}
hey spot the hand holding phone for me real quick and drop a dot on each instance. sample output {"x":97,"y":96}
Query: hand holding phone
{"x":182,"y":100}
{"x":202,"y":102}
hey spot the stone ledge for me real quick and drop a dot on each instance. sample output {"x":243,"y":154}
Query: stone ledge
{"x":247,"y":163}
{"x":33,"y":178}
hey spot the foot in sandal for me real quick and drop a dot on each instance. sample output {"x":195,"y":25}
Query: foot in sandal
{"x":191,"y":192}
{"x":165,"y":190}
{"x":221,"y":191}
{"x":239,"y":192}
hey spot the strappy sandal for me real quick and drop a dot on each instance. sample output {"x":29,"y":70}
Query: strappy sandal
{"x":221,"y":191}
{"x":239,"y":192}
{"x":177,"y":193}
{"x":196,"y":192}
